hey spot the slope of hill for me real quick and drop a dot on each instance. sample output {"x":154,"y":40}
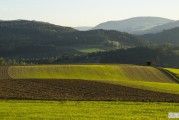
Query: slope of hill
{"x":35,"y":25}
{"x":161,"y":28}
{"x":134,"y":25}
{"x":162,"y":56}
{"x":22,"y":37}
{"x":139,"y":77}
{"x":88,"y":82}
{"x":90,"y":72}
{"x":38,"y":39}
{"x":78,"y":90}
{"x":175,"y":72}
{"x":108,"y":38}
{"x":167,"y":36}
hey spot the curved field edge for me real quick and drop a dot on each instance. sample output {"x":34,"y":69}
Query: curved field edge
{"x":86,"y":110}
{"x":142,"y":77}
{"x":175,"y":72}
{"x":77,"y":90}
{"x":90,"y":72}
{"x":153,"y":86}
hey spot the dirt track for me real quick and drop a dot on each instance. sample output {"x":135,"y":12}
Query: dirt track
{"x":76,"y":90}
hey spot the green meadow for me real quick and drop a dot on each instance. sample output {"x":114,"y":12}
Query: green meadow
{"x":174,"y":71}
{"x":143,"y":77}
{"x":81,"y":110}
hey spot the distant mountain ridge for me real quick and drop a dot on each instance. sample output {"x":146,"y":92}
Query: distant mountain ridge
{"x":167,"y":36}
{"x":33,"y":38}
{"x":134,"y":25}
{"x":160,"y":28}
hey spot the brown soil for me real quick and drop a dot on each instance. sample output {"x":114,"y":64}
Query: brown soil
{"x":77,"y":90}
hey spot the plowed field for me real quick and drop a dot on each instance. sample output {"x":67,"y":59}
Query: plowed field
{"x":77,"y":90}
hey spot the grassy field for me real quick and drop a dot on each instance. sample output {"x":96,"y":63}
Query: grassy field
{"x":142,"y":77}
{"x":86,"y":82}
{"x":174,"y":71}
{"x":90,"y":72}
{"x":38,"y":110}
{"x":90,"y":50}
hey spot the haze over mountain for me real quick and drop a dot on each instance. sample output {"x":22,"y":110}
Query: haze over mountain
{"x":83,"y":28}
{"x":160,"y":28}
{"x":167,"y":36}
{"x":134,"y":25}
{"x":33,"y":39}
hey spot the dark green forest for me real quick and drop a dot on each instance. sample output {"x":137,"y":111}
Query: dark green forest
{"x":167,"y":36}
{"x":165,"y":56}
{"x":32,"y":42}
{"x":37,"y":39}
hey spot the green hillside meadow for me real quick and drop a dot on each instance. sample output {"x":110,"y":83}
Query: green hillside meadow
{"x":147,"y":78}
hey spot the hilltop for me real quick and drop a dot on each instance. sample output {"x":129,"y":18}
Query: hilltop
{"x":134,"y":25}
{"x":33,"y":39}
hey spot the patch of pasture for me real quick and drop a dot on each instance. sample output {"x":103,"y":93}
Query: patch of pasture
{"x":71,"y":110}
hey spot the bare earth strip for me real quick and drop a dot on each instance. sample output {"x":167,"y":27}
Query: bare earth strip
{"x":30,"y":89}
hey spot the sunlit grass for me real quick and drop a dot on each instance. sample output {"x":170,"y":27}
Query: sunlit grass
{"x":90,"y":72}
{"x":28,"y":110}
{"x":174,"y":71}
{"x":147,"y":78}
{"x":90,"y":50}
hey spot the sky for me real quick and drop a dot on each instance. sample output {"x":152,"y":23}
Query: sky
{"x":86,"y":12}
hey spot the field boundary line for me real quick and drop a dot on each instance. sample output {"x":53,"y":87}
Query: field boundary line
{"x":169,"y":74}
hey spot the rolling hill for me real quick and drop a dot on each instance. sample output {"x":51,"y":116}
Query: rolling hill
{"x":167,"y":36}
{"x":173,"y":71}
{"x":88,"y":82}
{"x":32,"y":39}
{"x":36,"y":26}
{"x":133,"y":25}
{"x":161,"y":28}
{"x":163,"y":56}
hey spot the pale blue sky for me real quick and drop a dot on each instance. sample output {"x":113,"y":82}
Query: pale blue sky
{"x":86,"y":12}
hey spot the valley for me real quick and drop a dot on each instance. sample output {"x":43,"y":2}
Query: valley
{"x":124,"y":69}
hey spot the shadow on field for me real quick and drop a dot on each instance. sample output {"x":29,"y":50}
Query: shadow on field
{"x":77,"y":90}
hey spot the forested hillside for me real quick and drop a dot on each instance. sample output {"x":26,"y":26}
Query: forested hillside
{"x":167,"y":36}
{"x":164,"y":56}
{"x":38,"y":39}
